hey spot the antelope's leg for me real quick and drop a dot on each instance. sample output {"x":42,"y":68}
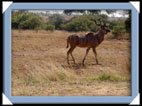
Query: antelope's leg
{"x":72,"y":55}
{"x":87,"y":50}
{"x":94,"y":50}
{"x":68,"y":55}
{"x":70,"y":52}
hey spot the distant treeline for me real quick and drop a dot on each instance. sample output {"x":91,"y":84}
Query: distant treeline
{"x":77,"y":23}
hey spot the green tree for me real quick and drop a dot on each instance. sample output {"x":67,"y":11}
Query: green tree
{"x":29,"y":21}
{"x":128,"y":23}
{"x":81,"y":23}
{"x":16,"y":16}
{"x":114,"y":23}
{"x":56,"y":20}
{"x":26,"y":20}
{"x":118,"y":31}
{"x":50,"y":27}
{"x":91,"y":12}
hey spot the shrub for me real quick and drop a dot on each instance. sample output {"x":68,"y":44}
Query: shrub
{"x":16,"y":16}
{"x":25,"y":21}
{"x":37,"y":29}
{"x":29,"y":22}
{"x":128,"y":25}
{"x":114,"y":23}
{"x":118,"y":31}
{"x":81,"y":24}
{"x":56,"y":20}
{"x":50,"y":27}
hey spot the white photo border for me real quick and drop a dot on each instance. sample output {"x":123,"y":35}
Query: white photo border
{"x":71,"y":99}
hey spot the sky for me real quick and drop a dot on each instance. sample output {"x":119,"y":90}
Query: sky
{"x":119,"y":13}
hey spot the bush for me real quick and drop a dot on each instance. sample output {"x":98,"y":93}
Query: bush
{"x":128,"y":25}
{"x":81,"y":24}
{"x":37,"y":29}
{"x":50,"y":27}
{"x":56,"y":20}
{"x":29,"y":22}
{"x":16,"y":16}
{"x":118,"y":31}
{"x":25,"y":21}
{"x":114,"y":23}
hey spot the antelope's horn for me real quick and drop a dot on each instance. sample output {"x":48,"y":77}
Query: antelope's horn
{"x":96,"y":22}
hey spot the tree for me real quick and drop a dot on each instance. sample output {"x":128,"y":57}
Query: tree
{"x":56,"y":20}
{"x":50,"y":27}
{"x":111,"y":11}
{"x":128,"y":23}
{"x":91,"y":12}
{"x":30,"y":21}
{"x":25,"y":21}
{"x":118,"y":31}
{"x":16,"y":16}
{"x":81,"y":23}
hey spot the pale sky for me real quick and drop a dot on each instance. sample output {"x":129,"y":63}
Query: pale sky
{"x":119,"y":13}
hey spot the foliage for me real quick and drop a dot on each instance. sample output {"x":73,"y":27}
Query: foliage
{"x":110,"y":11}
{"x":28,"y":22}
{"x":128,"y":23}
{"x":69,"y":12}
{"x":50,"y":27}
{"x":81,"y":24}
{"x":16,"y":16}
{"x":37,"y":29}
{"x":56,"y":20}
{"x":87,"y":12}
{"x":25,"y":21}
{"x":118,"y":31}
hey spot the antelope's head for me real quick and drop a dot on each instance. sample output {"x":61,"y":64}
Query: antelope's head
{"x":104,"y":28}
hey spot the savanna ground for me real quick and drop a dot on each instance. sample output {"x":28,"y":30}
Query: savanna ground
{"x":39,"y":66}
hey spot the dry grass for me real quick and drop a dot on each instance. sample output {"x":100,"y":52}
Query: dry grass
{"x":39,"y":66}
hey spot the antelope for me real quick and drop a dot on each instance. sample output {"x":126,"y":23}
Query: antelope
{"x":88,"y":41}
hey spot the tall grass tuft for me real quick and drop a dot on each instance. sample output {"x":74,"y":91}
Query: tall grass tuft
{"x":48,"y":71}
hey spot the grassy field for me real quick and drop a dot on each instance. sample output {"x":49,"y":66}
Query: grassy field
{"x":39,"y":66}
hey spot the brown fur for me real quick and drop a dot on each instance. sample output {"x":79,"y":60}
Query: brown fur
{"x":89,"y":41}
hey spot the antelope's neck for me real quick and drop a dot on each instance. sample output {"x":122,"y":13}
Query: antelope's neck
{"x":100,"y":37}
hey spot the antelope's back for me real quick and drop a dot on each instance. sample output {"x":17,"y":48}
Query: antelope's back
{"x":83,"y":41}
{"x":92,"y":39}
{"x":73,"y":39}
